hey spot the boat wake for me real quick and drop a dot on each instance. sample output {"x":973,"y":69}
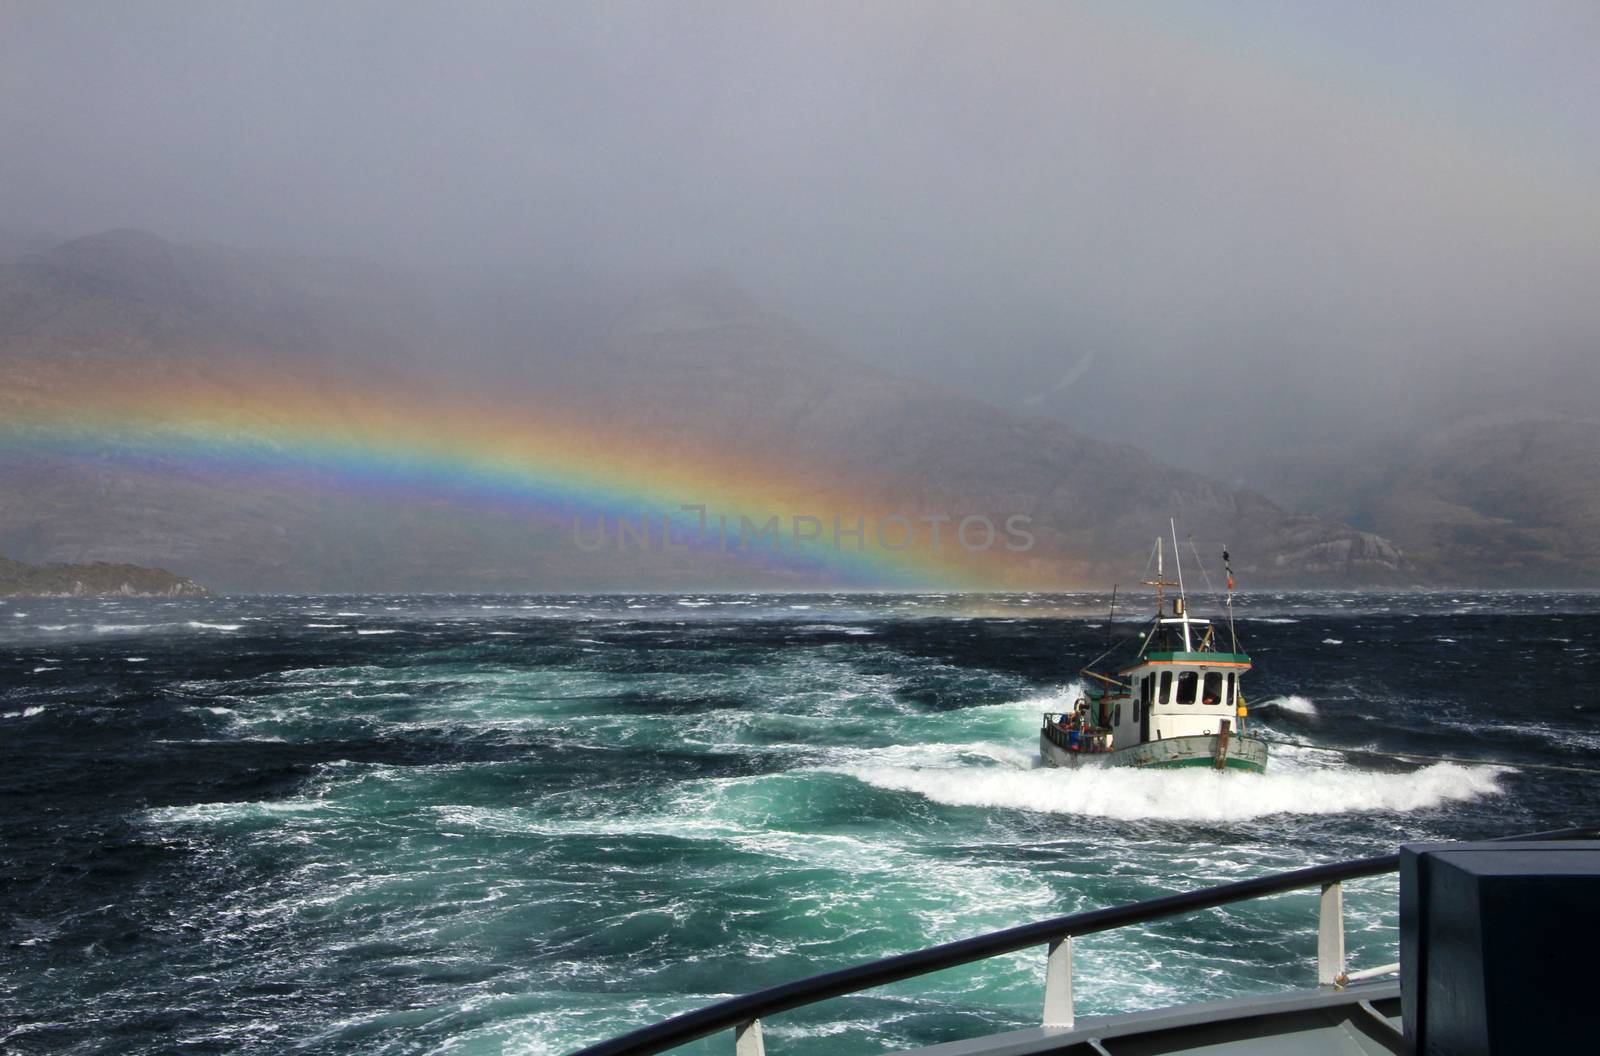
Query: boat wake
{"x":1127,"y":794}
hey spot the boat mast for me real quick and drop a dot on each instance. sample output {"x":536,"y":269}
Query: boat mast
{"x":1160,"y":582}
{"x":1183,"y":598}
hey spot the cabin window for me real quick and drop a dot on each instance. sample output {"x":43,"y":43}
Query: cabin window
{"x":1213,"y":690}
{"x":1187,"y":681}
{"x":1165,"y":696}
{"x":1233,"y":697}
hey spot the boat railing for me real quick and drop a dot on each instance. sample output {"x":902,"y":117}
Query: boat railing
{"x":1091,"y":739}
{"x":743,"y":1015}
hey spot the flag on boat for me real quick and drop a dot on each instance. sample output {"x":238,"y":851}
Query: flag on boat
{"x":1228,"y":565}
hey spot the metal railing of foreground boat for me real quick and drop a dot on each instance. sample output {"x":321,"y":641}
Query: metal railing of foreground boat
{"x":743,"y":1015}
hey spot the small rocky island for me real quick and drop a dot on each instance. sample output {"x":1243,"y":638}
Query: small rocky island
{"x":96,"y":579}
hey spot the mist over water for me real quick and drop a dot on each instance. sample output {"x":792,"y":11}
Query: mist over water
{"x":477,"y":824}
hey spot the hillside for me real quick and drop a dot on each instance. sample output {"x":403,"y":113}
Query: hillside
{"x":94,"y":579}
{"x":1509,"y":498}
{"x":691,"y":372}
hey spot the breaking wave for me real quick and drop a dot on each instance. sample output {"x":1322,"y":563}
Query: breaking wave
{"x":1126,"y":794}
{"x":1293,"y":704}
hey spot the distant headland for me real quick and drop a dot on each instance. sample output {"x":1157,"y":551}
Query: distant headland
{"x":96,"y":579}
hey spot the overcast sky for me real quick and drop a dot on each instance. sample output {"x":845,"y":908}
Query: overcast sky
{"x":1107,"y":211}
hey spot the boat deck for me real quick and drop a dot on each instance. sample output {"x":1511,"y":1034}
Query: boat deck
{"x":1363,"y":1020}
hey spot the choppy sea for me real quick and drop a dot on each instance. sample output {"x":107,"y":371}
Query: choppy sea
{"x":483,"y":824}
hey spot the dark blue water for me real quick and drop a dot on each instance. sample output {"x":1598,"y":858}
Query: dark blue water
{"x":491,"y":824}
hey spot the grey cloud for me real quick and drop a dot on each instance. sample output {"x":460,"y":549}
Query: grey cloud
{"x":1305,"y":219}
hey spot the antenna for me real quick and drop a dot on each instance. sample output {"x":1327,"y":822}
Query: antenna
{"x":1227,"y":566}
{"x":1112,"y":616}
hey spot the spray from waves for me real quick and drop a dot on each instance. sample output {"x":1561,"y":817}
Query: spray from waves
{"x":1293,"y":705}
{"x":1298,"y":705}
{"x":1125,"y":794}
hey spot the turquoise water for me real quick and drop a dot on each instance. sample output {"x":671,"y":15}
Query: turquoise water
{"x":484,"y":825}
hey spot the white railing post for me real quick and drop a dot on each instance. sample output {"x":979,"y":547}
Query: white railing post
{"x":1330,"y":935}
{"x":747,"y":1039}
{"x":1058,"y":984}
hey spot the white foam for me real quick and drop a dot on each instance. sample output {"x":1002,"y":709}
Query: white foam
{"x":197,"y":625}
{"x":366,"y":630}
{"x":37,"y":670}
{"x":1126,"y":794}
{"x":136,"y":659}
{"x":1333,"y":641}
{"x":1295,"y":703}
{"x":25,"y":713}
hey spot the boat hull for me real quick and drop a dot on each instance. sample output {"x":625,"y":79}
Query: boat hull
{"x":1244,"y":753}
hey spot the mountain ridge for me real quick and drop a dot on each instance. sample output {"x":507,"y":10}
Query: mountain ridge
{"x":693,"y":368}
{"x":93,"y":579}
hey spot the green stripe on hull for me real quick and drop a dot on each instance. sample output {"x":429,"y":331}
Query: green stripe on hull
{"x":1248,"y":754}
{"x":1232,"y":762}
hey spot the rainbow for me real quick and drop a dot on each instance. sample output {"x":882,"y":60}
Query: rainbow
{"x":565,"y":469}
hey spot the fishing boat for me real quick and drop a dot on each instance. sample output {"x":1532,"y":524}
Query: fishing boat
{"x":1177,"y":700}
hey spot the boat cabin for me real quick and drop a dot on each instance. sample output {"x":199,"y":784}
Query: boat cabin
{"x":1184,"y":694}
